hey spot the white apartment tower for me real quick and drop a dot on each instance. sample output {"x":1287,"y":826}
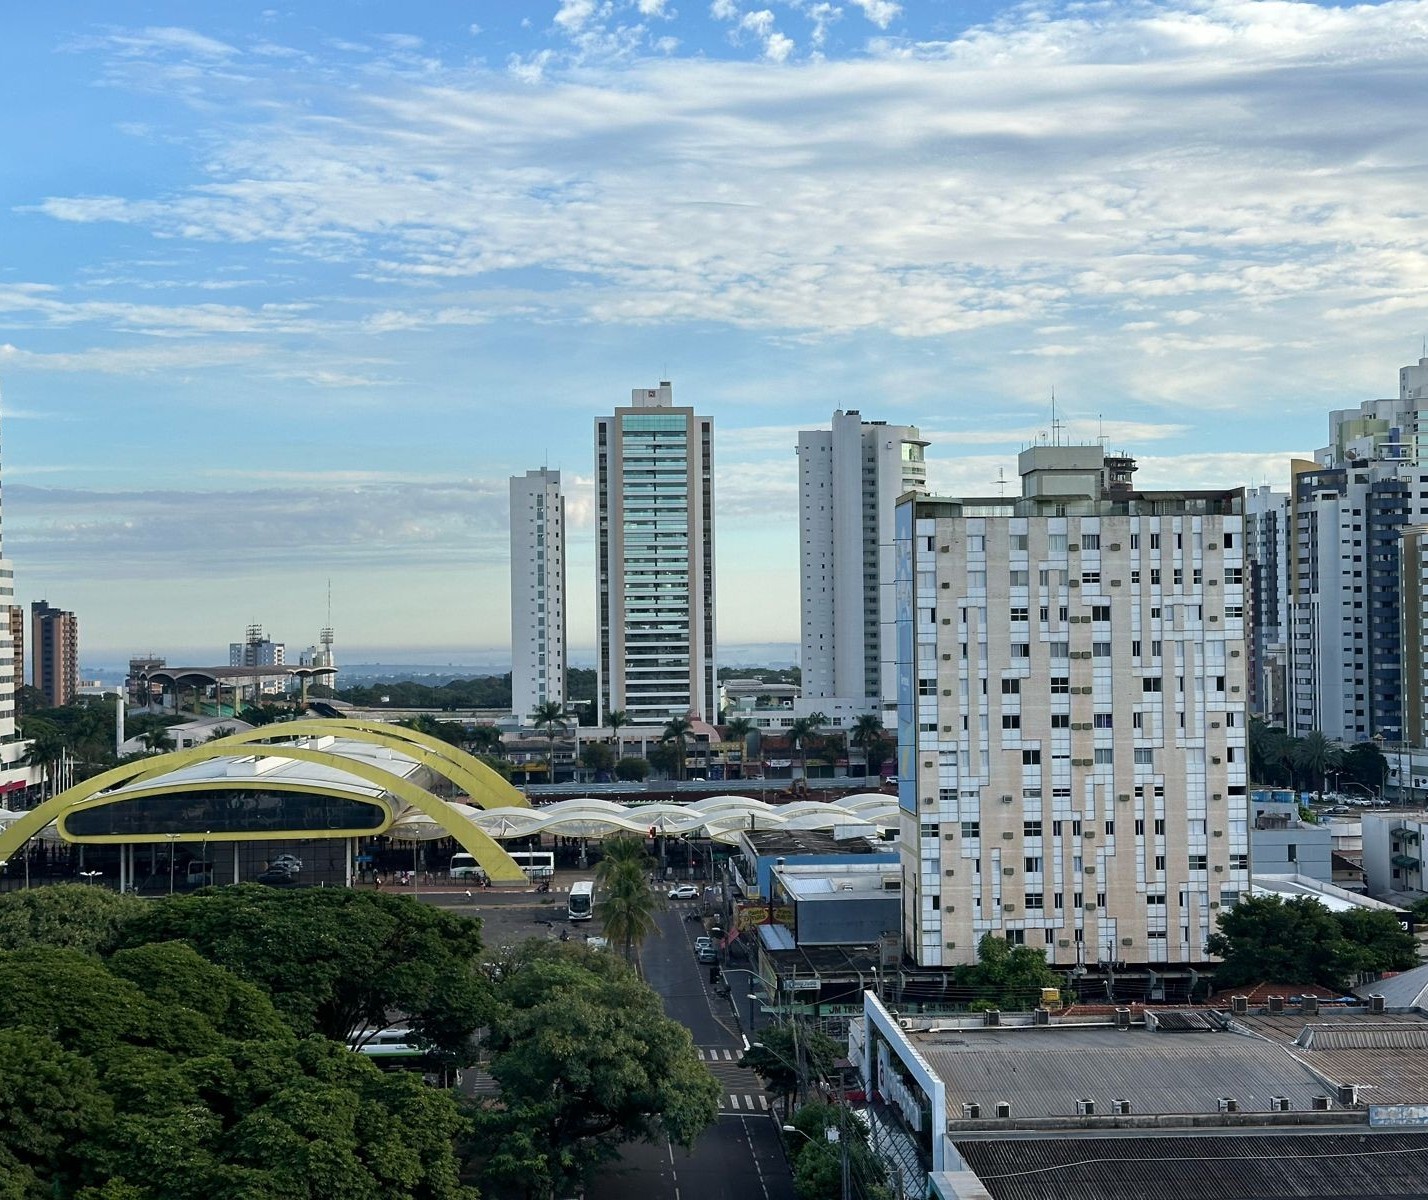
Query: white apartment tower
{"x":1348,"y":509}
{"x":1266,"y":600}
{"x":537,"y":592}
{"x":849,"y":479}
{"x":654,"y":488}
{"x":1072,"y":721}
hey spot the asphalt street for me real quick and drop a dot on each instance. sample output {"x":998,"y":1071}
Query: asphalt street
{"x":740,"y":1156}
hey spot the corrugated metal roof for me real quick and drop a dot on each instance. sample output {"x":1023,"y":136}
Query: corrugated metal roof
{"x":1400,"y":991}
{"x":1044,"y":1071}
{"x":1320,"y":1166}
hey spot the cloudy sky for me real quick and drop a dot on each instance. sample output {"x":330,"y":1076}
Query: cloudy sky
{"x":286,"y":295}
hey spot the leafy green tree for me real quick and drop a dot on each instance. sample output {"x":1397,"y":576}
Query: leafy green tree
{"x":799,"y":732}
{"x":1005,"y":976}
{"x":597,"y":756}
{"x":621,"y":855}
{"x":336,"y":961}
{"x":676,"y":735}
{"x":818,"y":1163}
{"x":1267,"y":939}
{"x":157,"y":740}
{"x":664,"y":758}
{"x":1379,"y":943}
{"x":870,"y":737}
{"x":632,"y":770}
{"x":626,"y":907}
{"x":789,"y":1057}
{"x":586,"y":1059}
{"x":482,"y":739}
{"x":1365,"y":765}
{"x":47,"y":747}
{"x":65,"y":916}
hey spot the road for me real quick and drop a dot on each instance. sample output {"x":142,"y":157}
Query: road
{"x":739,"y":1157}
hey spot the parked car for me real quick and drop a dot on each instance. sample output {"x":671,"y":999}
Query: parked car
{"x":277,"y":877}
{"x":286,"y":862}
{"x":703,"y":943}
{"x":684,"y":891}
{"x":708,"y":955}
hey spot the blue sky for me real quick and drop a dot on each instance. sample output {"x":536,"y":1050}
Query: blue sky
{"x":286,"y":294}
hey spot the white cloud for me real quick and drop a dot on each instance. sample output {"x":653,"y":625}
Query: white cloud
{"x":573,"y":14}
{"x":724,"y":10}
{"x":881,"y":13}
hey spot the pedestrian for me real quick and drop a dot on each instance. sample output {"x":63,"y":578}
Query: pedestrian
{"x":379,"y":881}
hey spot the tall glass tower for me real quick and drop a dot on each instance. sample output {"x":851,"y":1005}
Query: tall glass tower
{"x":654,"y":483}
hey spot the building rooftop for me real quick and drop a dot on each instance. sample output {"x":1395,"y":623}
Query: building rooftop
{"x":771,"y":843}
{"x":1403,"y":991}
{"x":1385,"y":1055}
{"x":841,"y":880}
{"x":1049,"y":1070}
{"x":1361,"y":1165}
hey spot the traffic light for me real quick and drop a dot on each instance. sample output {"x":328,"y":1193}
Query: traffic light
{"x":713,"y":972}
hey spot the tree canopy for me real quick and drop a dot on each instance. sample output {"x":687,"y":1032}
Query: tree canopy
{"x":1268,"y":939}
{"x":1005,"y":976}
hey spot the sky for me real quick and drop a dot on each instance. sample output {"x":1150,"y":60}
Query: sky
{"x":287,"y":294}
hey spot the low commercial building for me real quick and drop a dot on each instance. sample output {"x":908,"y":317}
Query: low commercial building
{"x":1393,"y":852}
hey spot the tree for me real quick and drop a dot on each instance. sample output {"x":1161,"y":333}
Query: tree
{"x":869,"y":736}
{"x":481,"y":739}
{"x":586,"y":1059}
{"x":1314,"y":756}
{"x":47,"y":747}
{"x":626,"y":904}
{"x":1269,"y":753}
{"x":818,"y":1161}
{"x":676,"y":734}
{"x":597,"y":756}
{"x":1270,"y":939}
{"x":632,"y":770}
{"x":1005,"y":976}
{"x":621,"y":854}
{"x":798,"y":734}
{"x":788,"y":1057}
{"x":550,"y":716}
{"x":617,"y":721}
{"x":66,"y":916}
{"x":156,"y":741}
{"x":1379,"y":943}
{"x":737,"y":729}
{"x":335,"y":961}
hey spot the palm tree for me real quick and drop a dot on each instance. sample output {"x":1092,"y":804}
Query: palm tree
{"x":627,"y":906}
{"x":157,"y":740}
{"x":677,"y":731}
{"x":619,"y":854}
{"x":868,"y":736}
{"x":798,"y":734}
{"x":617,"y":720}
{"x":1316,"y":755}
{"x":47,"y":747}
{"x":550,"y":716}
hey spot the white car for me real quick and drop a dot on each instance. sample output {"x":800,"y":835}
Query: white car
{"x":685,"y":891}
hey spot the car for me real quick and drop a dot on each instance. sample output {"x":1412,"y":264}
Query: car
{"x":890,"y":781}
{"x":286,"y":862}
{"x":684,"y":891}
{"x":703,"y":943}
{"x":708,"y":955}
{"x":277,"y":877}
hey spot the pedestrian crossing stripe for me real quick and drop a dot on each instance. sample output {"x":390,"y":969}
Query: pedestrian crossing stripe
{"x":715,"y":1054}
{"x":750,"y":1103}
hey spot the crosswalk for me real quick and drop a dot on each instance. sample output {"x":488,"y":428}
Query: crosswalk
{"x":723,"y":1064}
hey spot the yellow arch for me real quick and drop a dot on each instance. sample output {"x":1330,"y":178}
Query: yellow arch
{"x":485,"y":787}
{"x":498,"y":865}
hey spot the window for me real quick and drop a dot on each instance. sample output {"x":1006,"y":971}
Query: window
{"x":1044,"y":613}
{"x":1155,"y":541}
{"x":1031,"y":758}
{"x":1019,"y":614}
{"x":1031,"y":829}
{"x":1160,"y":827}
{"x":1105,"y":756}
{"x":1199,"y":862}
{"x":1077,"y":899}
{"x":1060,"y":720}
{"x":930,"y":829}
{"x":976,"y":543}
{"x":1011,"y":687}
{"x":1100,"y":899}
{"x":1011,"y":720}
{"x":1102,"y":720}
{"x":1160,"y":862}
{"x":1020,"y":650}
{"x":1144,"y":756}
{"x":1155,"y":577}
{"x":1239,"y":862}
{"x":1155,"y":644}
{"x":1135,"y":541}
{"x":1152,"y":899}
{"x":1100,"y":649}
{"x":1058,"y":899}
{"x":1090,"y":577}
{"x":1019,"y":579}
{"x":1151,"y":683}
{"x":971,"y":829}
{"x":1034,"y":901}
{"x":1059,"y":649}
{"x":1075,"y":828}
{"x":1060,"y":685}
{"x":1178,"y":577}
{"x":1234,"y":575}
{"x":1055,"y":828}
{"x":1100,"y":612}
{"x":1140,"y":828}
{"x":1110,"y":829}
{"x":1032,"y":864}
{"x":1056,"y":543}
{"x":1090,"y":541}
{"x":1018,"y":541}
{"x":1135,"y":577}
{"x":1135,"y":649}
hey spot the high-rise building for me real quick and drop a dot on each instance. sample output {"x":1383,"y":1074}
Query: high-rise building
{"x":537,"y":592}
{"x":1266,"y":595}
{"x":849,"y":479}
{"x":255,"y":650}
{"x":1413,"y":574}
{"x":1072,"y":722}
{"x":16,"y":622}
{"x":654,"y":489}
{"x":54,"y":652}
{"x":1347,"y":510}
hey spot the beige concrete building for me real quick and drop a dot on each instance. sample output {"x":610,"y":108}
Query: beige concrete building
{"x":1072,"y":715}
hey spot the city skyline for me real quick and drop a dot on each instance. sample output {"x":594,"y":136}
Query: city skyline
{"x":288,"y":299}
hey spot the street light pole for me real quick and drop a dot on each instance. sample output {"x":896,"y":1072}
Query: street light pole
{"x":173,"y":839}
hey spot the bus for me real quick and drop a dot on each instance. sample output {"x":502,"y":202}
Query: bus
{"x":537,"y":864}
{"x":395,"y":1049}
{"x":581,"y":904}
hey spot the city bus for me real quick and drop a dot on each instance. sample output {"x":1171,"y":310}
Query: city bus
{"x":394,"y":1049}
{"x":537,"y":864}
{"x":581,"y":904}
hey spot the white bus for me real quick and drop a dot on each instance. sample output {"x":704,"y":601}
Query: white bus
{"x":581,"y":904}
{"x":537,"y":864}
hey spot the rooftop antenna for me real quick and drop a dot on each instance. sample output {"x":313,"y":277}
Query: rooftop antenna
{"x":1100,"y":431}
{"x":1056,"y":426}
{"x":1001,"y":481}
